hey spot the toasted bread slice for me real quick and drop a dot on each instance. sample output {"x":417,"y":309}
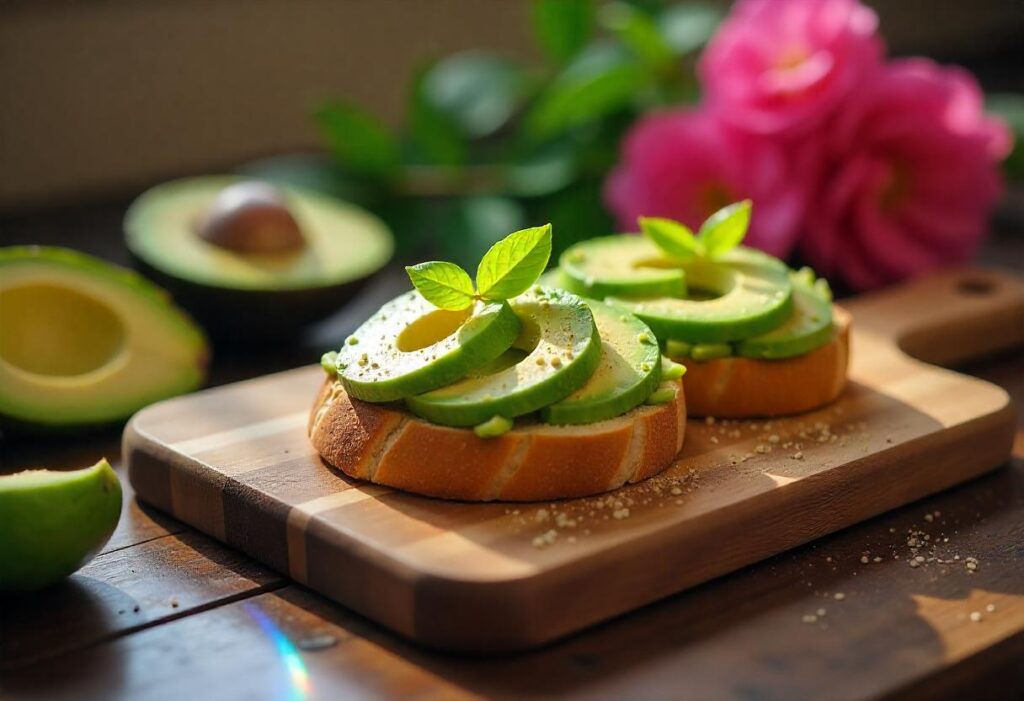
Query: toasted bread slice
{"x":736,"y":387}
{"x":532,"y":462}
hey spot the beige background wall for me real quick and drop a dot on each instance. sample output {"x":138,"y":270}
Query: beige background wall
{"x":104,"y":96}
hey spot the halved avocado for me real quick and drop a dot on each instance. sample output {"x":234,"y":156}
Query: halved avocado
{"x":52,"y":523}
{"x":559,"y":350}
{"x":410,"y":346}
{"x":254,"y":265}
{"x":83,"y":342}
{"x":623,"y":265}
{"x":729,"y":301}
{"x":629,"y":370}
{"x":809,"y":326}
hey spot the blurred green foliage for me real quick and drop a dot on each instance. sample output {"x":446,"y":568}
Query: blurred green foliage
{"x":490,"y":145}
{"x":1010,"y":107}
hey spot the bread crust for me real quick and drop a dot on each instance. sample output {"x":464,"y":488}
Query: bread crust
{"x":532,"y":462}
{"x":736,"y":388}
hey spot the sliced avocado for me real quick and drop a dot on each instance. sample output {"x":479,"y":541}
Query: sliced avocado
{"x":249,"y":259}
{"x":562,"y":349}
{"x":623,"y":266}
{"x":554,"y":278}
{"x":808,"y":327}
{"x":52,"y":523}
{"x":629,"y":371}
{"x":729,"y":301}
{"x":84,"y":342}
{"x":410,"y":346}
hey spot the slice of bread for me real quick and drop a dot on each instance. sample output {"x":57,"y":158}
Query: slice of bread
{"x":737,"y":388}
{"x":532,"y":462}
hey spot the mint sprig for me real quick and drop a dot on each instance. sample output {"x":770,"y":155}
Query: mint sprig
{"x":506,"y":270}
{"x":719,"y":234}
{"x":444,"y":285}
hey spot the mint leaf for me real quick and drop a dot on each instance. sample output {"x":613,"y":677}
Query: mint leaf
{"x":514,"y":263}
{"x":671,"y":237}
{"x":724,"y":229}
{"x":445,"y":285}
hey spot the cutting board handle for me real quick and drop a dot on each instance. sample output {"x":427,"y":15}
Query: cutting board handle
{"x":948,"y":318}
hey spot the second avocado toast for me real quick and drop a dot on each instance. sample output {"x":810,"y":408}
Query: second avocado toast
{"x":518,"y":391}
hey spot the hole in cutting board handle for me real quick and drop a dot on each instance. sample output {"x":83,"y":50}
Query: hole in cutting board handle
{"x":976,"y":287}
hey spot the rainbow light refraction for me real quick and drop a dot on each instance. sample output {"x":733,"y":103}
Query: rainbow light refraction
{"x":298,"y":676}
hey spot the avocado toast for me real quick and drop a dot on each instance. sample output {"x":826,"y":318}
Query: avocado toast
{"x":506,"y":390}
{"x":757,"y":338}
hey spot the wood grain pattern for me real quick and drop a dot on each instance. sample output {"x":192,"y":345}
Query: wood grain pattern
{"x":896,"y":631}
{"x":114,"y":595}
{"x":235,"y":463}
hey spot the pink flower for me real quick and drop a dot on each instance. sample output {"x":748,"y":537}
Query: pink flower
{"x":782,"y":66}
{"x":907,"y":176}
{"x":686,"y":164}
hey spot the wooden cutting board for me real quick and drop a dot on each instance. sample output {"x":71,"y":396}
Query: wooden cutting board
{"x":235,"y":463}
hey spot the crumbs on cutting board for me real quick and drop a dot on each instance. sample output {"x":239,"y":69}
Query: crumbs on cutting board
{"x":796,"y":438}
{"x":571,"y":520}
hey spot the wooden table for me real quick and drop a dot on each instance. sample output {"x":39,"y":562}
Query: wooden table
{"x":167,"y":613}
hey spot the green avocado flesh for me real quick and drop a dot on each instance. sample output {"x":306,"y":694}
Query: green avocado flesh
{"x":343,"y":243}
{"x":562,"y":349}
{"x":52,"y":523}
{"x":83,"y":342}
{"x":410,"y":346}
{"x":729,"y":301}
{"x":629,"y":370}
{"x":808,"y":327}
{"x":623,"y":265}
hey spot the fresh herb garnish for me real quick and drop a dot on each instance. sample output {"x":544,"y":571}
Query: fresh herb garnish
{"x":719,"y":234}
{"x":506,"y":270}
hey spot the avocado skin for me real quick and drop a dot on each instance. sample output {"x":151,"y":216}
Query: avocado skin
{"x":238,"y":317}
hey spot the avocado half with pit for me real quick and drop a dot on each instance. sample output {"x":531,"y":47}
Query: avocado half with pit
{"x":84,"y":343}
{"x":252,"y":260}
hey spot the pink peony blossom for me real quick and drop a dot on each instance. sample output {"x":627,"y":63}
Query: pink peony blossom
{"x":782,"y":66}
{"x":906,"y":176}
{"x":686,"y":164}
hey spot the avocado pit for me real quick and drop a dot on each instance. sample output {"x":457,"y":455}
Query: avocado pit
{"x":251,"y":217}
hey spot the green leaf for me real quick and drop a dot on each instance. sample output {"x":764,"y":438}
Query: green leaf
{"x":479,"y":92}
{"x":673,"y":238}
{"x":638,"y":31}
{"x":725,"y":229}
{"x":563,"y":26}
{"x":437,"y":136}
{"x":687,"y":26}
{"x":469,"y":226}
{"x":1010,"y":106}
{"x":603,"y":79}
{"x":577,"y":212}
{"x":445,"y":285}
{"x":514,"y":263}
{"x":541,"y":171}
{"x":357,"y":139}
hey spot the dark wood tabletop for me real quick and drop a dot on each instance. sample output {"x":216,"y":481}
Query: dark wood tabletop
{"x":167,"y":613}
